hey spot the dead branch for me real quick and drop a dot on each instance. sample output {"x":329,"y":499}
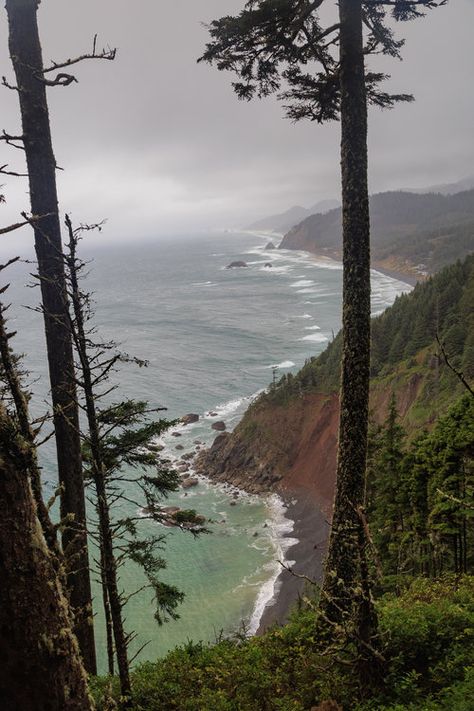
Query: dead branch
{"x":8,"y":85}
{"x":365,"y":524}
{"x":456,"y":372}
{"x":4,"y":266}
{"x":297,"y":575}
{"x":16,"y":226}
{"x":10,"y":140}
{"x":455,"y":500}
{"x":108,"y":54}
{"x":62,"y":79}
{"x":12,"y":172}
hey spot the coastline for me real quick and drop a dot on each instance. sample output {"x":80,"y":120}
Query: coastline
{"x":405,"y":277}
{"x":305,"y":557}
{"x":301,"y":541}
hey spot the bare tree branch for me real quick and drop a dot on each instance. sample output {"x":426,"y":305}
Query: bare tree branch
{"x":456,"y":372}
{"x":12,"y":172}
{"x":108,"y":54}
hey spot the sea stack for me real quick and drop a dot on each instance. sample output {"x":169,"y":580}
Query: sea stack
{"x":236,"y":264}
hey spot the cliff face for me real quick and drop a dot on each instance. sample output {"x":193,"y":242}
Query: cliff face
{"x":287,"y":440}
{"x":291,"y":448}
{"x":284,"y":448}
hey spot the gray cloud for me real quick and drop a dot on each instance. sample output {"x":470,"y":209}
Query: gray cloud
{"x":159,"y":144}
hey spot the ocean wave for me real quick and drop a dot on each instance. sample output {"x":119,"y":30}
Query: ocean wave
{"x":305,"y":316}
{"x":302,"y":282}
{"x":279,"y":528}
{"x":315,"y":338}
{"x":284,"y":364}
{"x":312,"y":328}
{"x":277,"y":270}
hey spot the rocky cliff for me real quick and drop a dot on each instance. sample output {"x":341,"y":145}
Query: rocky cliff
{"x":287,"y":440}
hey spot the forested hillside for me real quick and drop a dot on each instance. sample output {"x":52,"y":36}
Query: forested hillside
{"x":288,"y":437}
{"x":418,"y":514}
{"x":409,"y":231}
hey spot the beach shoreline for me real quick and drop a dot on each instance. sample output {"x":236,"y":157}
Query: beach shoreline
{"x":305,"y":558}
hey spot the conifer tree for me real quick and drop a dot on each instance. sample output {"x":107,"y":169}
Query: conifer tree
{"x":122,"y":469}
{"x":32,"y":78}
{"x":388,"y":500}
{"x":41,"y":665}
{"x":281,"y":46}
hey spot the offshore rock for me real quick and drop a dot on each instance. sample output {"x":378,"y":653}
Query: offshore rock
{"x":190,"y":482}
{"x":189,"y":419}
{"x":236,"y":264}
{"x":219,"y":426}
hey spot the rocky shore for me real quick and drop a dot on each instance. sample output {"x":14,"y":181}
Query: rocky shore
{"x":301,"y":470}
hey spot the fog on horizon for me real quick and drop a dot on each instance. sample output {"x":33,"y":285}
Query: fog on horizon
{"x":160,"y":145}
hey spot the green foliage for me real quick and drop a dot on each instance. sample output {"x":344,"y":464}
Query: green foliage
{"x":427,"y":639}
{"x":444,"y":306}
{"x":421,"y":495}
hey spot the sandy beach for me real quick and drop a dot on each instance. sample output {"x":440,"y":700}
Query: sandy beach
{"x":311,"y":529}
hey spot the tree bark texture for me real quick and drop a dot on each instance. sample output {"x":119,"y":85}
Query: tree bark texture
{"x":40,"y":663}
{"x":343,"y":564}
{"x":25,"y":52}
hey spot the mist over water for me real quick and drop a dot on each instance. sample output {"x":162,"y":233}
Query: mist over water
{"x":212,"y":336}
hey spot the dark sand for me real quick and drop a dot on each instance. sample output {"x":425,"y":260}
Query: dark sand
{"x":405,"y":277}
{"x":311,"y":529}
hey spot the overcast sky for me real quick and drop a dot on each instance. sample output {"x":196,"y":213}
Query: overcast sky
{"x":160,"y":145}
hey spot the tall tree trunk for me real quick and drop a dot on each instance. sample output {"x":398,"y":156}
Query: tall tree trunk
{"x":25,"y":51}
{"x":343,"y":564}
{"x":12,"y":379}
{"x":113,"y":603}
{"x":40,"y":663}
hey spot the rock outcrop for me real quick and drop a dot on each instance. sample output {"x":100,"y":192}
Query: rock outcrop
{"x":219,"y":426}
{"x":280,"y":449}
{"x":236,"y":264}
{"x":190,"y":418}
{"x":292,"y":447}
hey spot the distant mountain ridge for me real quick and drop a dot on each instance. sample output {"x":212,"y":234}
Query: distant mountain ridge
{"x":284,"y":221}
{"x":410,"y":232}
{"x":446,"y":188}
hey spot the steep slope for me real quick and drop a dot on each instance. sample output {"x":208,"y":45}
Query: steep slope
{"x":418,"y":233}
{"x":287,"y":440}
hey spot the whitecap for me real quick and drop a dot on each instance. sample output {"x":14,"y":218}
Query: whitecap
{"x":312,"y":328}
{"x":228,"y":408}
{"x":302,"y":282}
{"x":279,"y":528}
{"x":284,"y":364}
{"x":305,"y":316}
{"x":315,"y":338}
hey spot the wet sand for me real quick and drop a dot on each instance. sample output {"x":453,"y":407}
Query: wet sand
{"x":405,"y":277}
{"x":311,"y":529}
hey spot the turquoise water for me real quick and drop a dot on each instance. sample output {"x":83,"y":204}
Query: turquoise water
{"x":211,"y":337}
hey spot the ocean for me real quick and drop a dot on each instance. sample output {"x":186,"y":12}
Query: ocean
{"x":212,"y":337}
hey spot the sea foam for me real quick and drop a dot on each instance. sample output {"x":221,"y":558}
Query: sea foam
{"x":315,"y":338}
{"x":279,"y":528}
{"x":284,"y":364}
